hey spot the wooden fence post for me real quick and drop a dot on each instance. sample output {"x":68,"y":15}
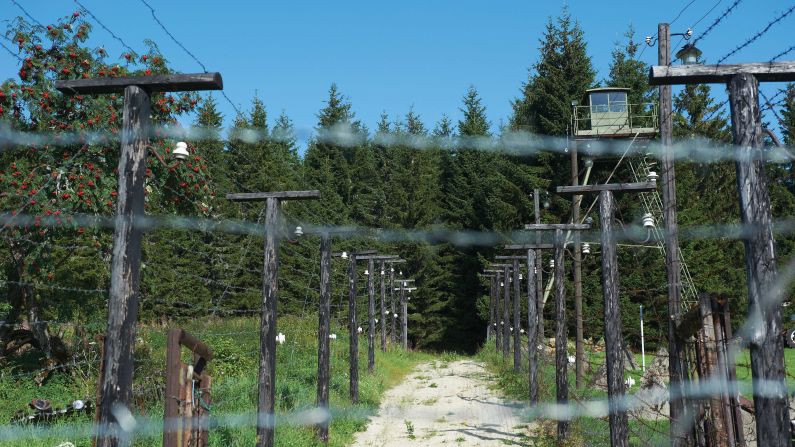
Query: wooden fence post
{"x":353,"y":330}
{"x":532,"y":327}
{"x":561,"y":355}
{"x":492,"y":287}
{"x":498,"y":322}
{"x":172,"y":417}
{"x":370,"y":316}
{"x":392,"y":308}
{"x":404,"y":318}
{"x":323,"y":351}
{"x":613,"y":345}
{"x":506,"y":313}
{"x":383,"y":313}
{"x":517,"y":339}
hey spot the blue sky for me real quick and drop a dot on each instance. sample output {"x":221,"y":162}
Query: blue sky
{"x":392,"y":56}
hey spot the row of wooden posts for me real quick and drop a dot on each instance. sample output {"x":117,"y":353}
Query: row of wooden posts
{"x":770,"y":404}
{"x":116,"y":376}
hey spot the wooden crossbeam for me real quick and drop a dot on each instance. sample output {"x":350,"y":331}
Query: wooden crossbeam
{"x":720,"y":74}
{"x":156,"y":83}
{"x":529,"y":246}
{"x":498,"y":265}
{"x":395,"y":261}
{"x":504,"y":257}
{"x":627,"y":187}
{"x":256,"y":196}
{"x":544,"y":227}
{"x":376,"y":257}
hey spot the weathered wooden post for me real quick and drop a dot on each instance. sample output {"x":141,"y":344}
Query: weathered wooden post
{"x":384,"y":311}
{"x":503,"y":328}
{"x":371,"y":305}
{"x":266,"y":402}
{"x":393,"y":309}
{"x":766,"y":344}
{"x":538,"y":268}
{"x":498,"y":322}
{"x":532,"y":315}
{"x":126,"y":262}
{"x":561,"y":355}
{"x":404,"y":310}
{"x":517,"y":340}
{"x":677,"y":368}
{"x":492,"y":291}
{"x":323,"y":332}
{"x":353,"y":327}
{"x":613,"y":346}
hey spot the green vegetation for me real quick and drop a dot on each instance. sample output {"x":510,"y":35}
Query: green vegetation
{"x":234,"y":392}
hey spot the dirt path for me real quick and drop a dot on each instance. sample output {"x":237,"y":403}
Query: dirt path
{"x":442,"y":403}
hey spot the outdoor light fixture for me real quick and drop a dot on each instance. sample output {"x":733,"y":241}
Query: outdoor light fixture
{"x":689,"y":54}
{"x":298,"y":232}
{"x":586,"y":248}
{"x":648,"y":221}
{"x":181,"y":151}
{"x":652,"y":177}
{"x":344,"y":255}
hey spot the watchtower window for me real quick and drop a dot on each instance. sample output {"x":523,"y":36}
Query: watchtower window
{"x":603,"y":102}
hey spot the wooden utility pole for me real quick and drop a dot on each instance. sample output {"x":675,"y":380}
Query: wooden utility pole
{"x":538,"y":268}
{"x":504,"y":327}
{"x":532,"y":315}
{"x":116,"y":387}
{"x":404,"y":319}
{"x":353,"y":327}
{"x":677,"y":368}
{"x":323,"y":332}
{"x":517,"y":287}
{"x":266,"y":402}
{"x":613,"y":346}
{"x":384,"y":311}
{"x":392,"y":308}
{"x":579,"y":362}
{"x":767,"y":345}
{"x":492,"y":292}
{"x":497,"y":316}
{"x":371,"y":305}
{"x":561,"y":356}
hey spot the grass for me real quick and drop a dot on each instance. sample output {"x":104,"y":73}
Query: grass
{"x":595,"y":431}
{"x":235,"y":344}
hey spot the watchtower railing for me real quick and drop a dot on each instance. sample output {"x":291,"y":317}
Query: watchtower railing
{"x":615,"y":119}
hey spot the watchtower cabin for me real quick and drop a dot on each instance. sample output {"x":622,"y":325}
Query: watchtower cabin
{"x":607,"y":114}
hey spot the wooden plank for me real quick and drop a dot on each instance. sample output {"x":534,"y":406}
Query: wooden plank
{"x":353,"y":333}
{"x":711,"y":363}
{"x":371,"y":315}
{"x":498,"y":265}
{"x":205,"y":394}
{"x":561,"y":354}
{"x":376,"y":257}
{"x":172,"y":82}
{"x":502,"y":257}
{"x":517,"y":339}
{"x":171,"y":407}
{"x":125,"y":271}
{"x":767,"y":346}
{"x":560,"y":226}
{"x":732,"y":372}
{"x":195,"y":345}
{"x":528,"y":246}
{"x":721,"y":74}
{"x":257,"y":196}
{"x":532,"y":329}
{"x":623,"y":187}
{"x":323,"y":331}
{"x":613,"y":344}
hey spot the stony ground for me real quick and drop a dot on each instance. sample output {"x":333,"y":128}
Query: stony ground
{"x":443,"y":403}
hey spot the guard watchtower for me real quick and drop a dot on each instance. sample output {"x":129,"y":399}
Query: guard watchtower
{"x":607,"y":114}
